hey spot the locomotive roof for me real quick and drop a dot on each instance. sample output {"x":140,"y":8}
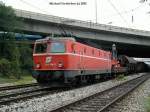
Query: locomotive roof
{"x":56,"y":38}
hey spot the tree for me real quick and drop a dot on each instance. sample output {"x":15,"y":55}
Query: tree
{"x":5,"y":67}
{"x":26,"y":58}
{"x":9,"y":51}
{"x":14,"y":58}
{"x":8,"y":19}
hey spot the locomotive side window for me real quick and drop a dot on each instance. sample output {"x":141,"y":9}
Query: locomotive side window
{"x":73,"y":48}
{"x":40,"y":47}
{"x":57,"y":47}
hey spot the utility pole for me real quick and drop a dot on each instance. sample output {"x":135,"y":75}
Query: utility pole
{"x":96,"y":11}
{"x":132,"y":17}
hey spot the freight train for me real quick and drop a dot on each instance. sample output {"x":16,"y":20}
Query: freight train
{"x":67,"y":61}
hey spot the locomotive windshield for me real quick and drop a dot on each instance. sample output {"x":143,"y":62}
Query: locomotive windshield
{"x":40,"y":47}
{"x":57,"y":47}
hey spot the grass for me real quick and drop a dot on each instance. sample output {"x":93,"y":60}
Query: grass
{"x":147,"y":104}
{"x":26,"y":79}
{"x":120,"y":77}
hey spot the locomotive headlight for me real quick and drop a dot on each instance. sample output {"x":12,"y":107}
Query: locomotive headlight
{"x":38,"y":65}
{"x":60,"y":64}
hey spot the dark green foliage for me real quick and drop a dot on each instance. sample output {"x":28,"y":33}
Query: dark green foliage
{"x":16,"y":71}
{"x":26,"y":58}
{"x":120,"y":77}
{"x":8,"y":20}
{"x":18,"y":56}
{"x":10,"y":51}
{"x":14,"y":59}
{"x":5,"y":67}
{"x":7,"y":45}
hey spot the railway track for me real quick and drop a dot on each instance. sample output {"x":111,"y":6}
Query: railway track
{"x":17,"y":86}
{"x":101,"y":101}
{"x":24,"y":95}
{"x":9,"y":94}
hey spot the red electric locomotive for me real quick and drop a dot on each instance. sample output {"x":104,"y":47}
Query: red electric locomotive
{"x":66,"y":61}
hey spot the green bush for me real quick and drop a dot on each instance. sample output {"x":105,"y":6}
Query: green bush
{"x":5,"y":67}
{"x":26,"y":61}
{"x":15,"y":59}
{"x":120,"y":77}
{"x":16,"y":71}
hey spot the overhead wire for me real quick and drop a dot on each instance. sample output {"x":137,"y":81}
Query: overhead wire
{"x":129,"y":11}
{"x":134,"y":9}
{"x":33,"y":6}
{"x":59,"y":26}
{"x":114,"y":7}
{"x":126,"y":12}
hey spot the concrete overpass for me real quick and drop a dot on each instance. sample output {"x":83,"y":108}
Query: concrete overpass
{"x":130,"y":41}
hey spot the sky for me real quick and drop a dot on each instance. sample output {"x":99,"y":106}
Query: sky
{"x":123,"y":13}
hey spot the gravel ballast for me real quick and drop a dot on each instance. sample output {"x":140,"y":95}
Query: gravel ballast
{"x":50,"y":102}
{"x":6,"y":84}
{"x":135,"y":101}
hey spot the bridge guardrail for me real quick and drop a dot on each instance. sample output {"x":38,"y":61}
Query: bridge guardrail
{"x":79,"y":23}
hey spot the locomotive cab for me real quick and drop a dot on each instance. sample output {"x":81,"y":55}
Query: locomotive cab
{"x":45,"y":52}
{"x":50,"y":58}
{"x":49,"y":47}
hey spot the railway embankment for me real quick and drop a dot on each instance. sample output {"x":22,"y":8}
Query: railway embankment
{"x":50,"y":102}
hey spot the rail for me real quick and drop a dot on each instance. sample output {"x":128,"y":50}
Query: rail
{"x":17,"y":86}
{"x":101,"y":101}
{"x":24,"y":95}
